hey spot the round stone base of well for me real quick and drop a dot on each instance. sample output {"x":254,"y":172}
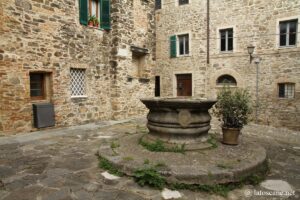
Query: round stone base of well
{"x":222,"y":164}
{"x":198,"y":144}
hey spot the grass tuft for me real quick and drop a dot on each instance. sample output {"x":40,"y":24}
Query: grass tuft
{"x":107,"y":165}
{"x":159,"y":146}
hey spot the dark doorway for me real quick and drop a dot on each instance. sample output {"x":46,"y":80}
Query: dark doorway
{"x":184,"y":84}
{"x":157,"y":86}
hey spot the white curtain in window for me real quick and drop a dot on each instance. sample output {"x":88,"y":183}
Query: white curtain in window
{"x":94,"y":7}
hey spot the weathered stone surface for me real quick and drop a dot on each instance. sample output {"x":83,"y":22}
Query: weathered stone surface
{"x":178,"y":121}
{"x":253,"y":22}
{"x":170,"y":194}
{"x":223,"y":164}
{"x":46,"y":36}
{"x":61,"y":181}
{"x":277,"y":185}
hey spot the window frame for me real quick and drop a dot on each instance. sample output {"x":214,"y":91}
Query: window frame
{"x":231,"y":84}
{"x":84,"y":86}
{"x":42,"y":86}
{"x":161,"y":5}
{"x":287,"y":32}
{"x":286,"y":19}
{"x":285,"y":84}
{"x":178,"y":3}
{"x":226,"y":30}
{"x":98,"y":9}
{"x":178,"y":36}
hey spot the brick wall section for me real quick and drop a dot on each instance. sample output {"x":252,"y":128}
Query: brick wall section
{"x":45,"y":35}
{"x":254,"y":22}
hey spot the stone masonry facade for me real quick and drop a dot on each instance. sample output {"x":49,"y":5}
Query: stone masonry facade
{"x":46,"y":36}
{"x":253,"y":22}
{"x":120,"y":64}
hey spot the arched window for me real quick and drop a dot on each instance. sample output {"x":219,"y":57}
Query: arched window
{"x":226,"y":80}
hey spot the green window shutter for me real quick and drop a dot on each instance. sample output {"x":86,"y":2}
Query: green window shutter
{"x":105,"y":14}
{"x":83,"y":12}
{"x":173,"y":51}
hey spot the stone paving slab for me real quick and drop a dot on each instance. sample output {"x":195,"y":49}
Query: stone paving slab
{"x":58,"y":164}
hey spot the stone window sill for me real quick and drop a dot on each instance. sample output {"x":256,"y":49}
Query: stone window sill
{"x":79,"y":97}
{"x":230,"y":86}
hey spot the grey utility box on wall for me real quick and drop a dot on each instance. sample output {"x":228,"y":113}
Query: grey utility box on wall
{"x":43,"y":115}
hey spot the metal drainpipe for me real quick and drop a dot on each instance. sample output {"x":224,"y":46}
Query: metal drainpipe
{"x":256,"y":109}
{"x":207,"y":31}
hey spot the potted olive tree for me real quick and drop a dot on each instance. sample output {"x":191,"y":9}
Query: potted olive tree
{"x":233,"y":109}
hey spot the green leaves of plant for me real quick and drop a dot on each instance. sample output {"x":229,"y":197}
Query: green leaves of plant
{"x":149,"y":176}
{"x":233,"y":107}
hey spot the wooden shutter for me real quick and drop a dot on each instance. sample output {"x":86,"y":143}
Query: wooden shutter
{"x":83,"y":12}
{"x":105,"y":14}
{"x":173,"y":51}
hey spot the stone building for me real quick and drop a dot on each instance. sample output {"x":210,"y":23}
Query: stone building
{"x":55,"y":65}
{"x":202,"y":46}
{"x":72,"y":72}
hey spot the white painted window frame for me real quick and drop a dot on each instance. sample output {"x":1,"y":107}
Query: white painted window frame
{"x":277,"y":38}
{"x":288,"y":86}
{"x":177,"y":43}
{"x":85,"y":89}
{"x":218,"y":36}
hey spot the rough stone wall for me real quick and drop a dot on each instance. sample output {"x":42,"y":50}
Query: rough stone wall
{"x":45,"y":35}
{"x":132,"y":25}
{"x":173,"y":20}
{"x":254,"y":22}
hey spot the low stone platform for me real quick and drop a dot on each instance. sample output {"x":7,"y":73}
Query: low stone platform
{"x":223,"y":164}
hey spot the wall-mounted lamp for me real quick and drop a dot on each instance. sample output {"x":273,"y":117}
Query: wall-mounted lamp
{"x":250,"y":51}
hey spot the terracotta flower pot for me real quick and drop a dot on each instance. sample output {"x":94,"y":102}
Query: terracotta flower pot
{"x":231,"y":135}
{"x":90,"y":24}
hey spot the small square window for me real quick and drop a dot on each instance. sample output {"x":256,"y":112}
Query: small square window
{"x":183,"y":44}
{"x":77,"y":82}
{"x":226,"y":39}
{"x":286,"y":90}
{"x":288,"y":33}
{"x":37,"y":85}
{"x":183,"y":2}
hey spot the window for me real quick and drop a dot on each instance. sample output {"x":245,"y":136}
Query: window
{"x":94,"y":8}
{"x":183,"y":2}
{"x":226,"y":80}
{"x":286,"y":90}
{"x":226,"y":42}
{"x":183,"y":42}
{"x":288,"y":33}
{"x":37,"y":90}
{"x":157,"y":86}
{"x":98,"y":8}
{"x":77,"y":82}
{"x":157,"y":4}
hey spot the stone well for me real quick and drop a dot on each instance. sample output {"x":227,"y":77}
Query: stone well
{"x":178,"y":120}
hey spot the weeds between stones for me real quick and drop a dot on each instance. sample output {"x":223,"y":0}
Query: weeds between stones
{"x":107,"y":165}
{"x":159,"y":146}
{"x":151,"y":177}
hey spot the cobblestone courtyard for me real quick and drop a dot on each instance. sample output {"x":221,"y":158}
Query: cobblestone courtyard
{"x":60,"y":164}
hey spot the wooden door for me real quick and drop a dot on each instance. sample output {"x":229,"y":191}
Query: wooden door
{"x":184,"y":84}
